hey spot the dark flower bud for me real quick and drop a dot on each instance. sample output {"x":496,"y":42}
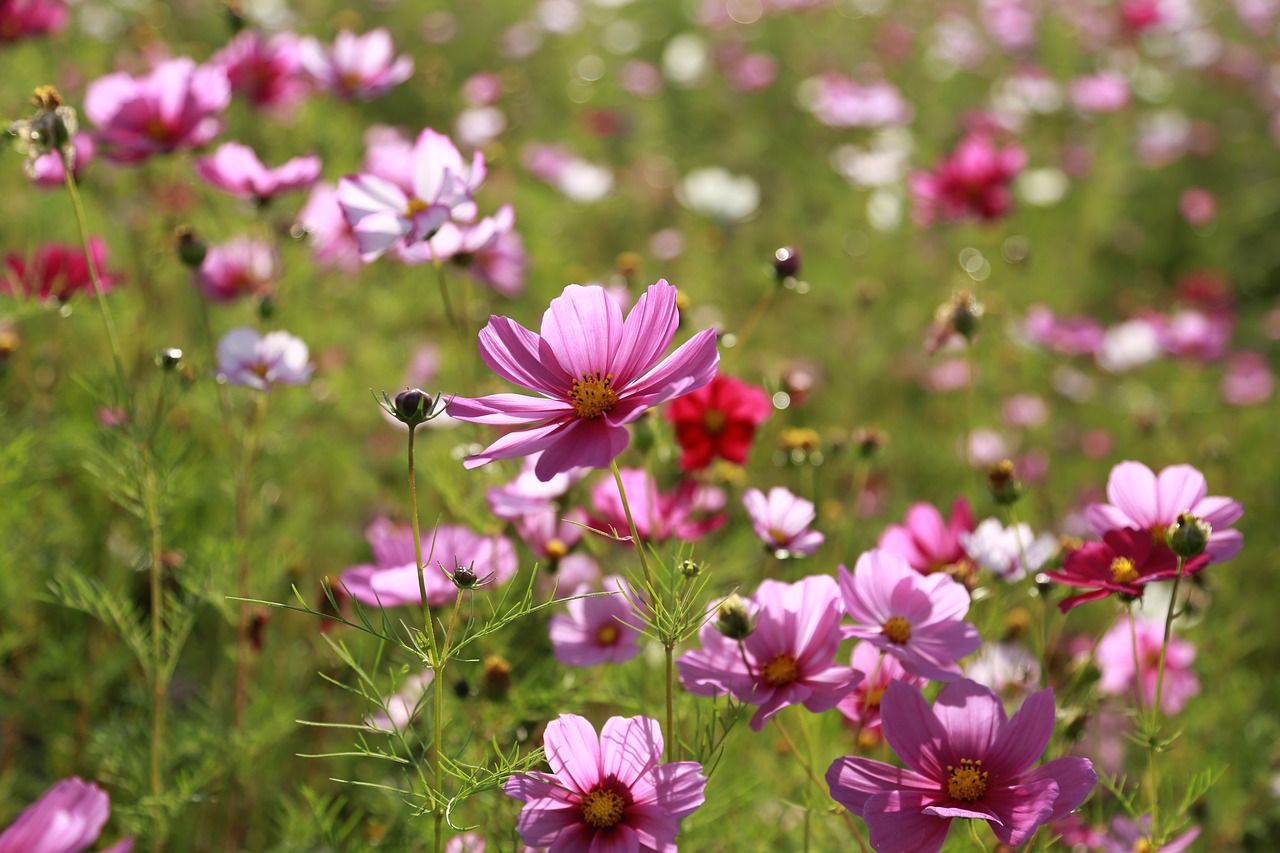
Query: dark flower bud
{"x":464,"y":577}
{"x":496,"y":680}
{"x":462,"y":689}
{"x":169,"y":358}
{"x":786,"y":263}
{"x":191,"y":249}
{"x":1188,"y":536}
{"x":413,"y":406}
{"x":869,"y":441}
{"x":1002,"y":480}
{"x":266,"y":307}
{"x":733,"y":618}
{"x":966,"y":312}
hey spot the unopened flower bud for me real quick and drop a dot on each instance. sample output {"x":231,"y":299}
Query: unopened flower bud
{"x":690,"y":569}
{"x":869,"y":441}
{"x":733,"y":618}
{"x":966,"y":312}
{"x":191,"y":249}
{"x":169,"y":358}
{"x":464,"y":577}
{"x":413,"y":406}
{"x":50,"y":129}
{"x":1002,"y":480}
{"x":786,"y":263}
{"x":496,"y":680}
{"x":1188,"y":536}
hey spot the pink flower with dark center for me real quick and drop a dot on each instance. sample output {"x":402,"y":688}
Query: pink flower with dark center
{"x":235,"y":169}
{"x":606,"y":794}
{"x":23,"y":19}
{"x":688,"y":512}
{"x":600,"y":629}
{"x":1140,"y":499}
{"x":781,"y":521}
{"x":1123,"y":562}
{"x":1115,"y":658}
{"x":267,"y":72}
{"x":788,"y":659}
{"x":595,"y":373}
{"x":328,"y":231}
{"x":392,"y":580}
{"x":238,"y":268}
{"x":173,"y":108}
{"x":862,"y":706}
{"x":927,"y":541}
{"x":46,"y":170}
{"x":970,"y":183}
{"x":964,"y":759}
{"x":56,"y":272}
{"x":260,"y":361}
{"x":360,"y":67}
{"x":916,"y":618}
{"x":66,"y":819}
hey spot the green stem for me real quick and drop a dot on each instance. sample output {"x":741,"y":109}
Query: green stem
{"x":631,"y":524}
{"x":671,"y":713}
{"x":159,"y":678}
{"x":757,"y":312}
{"x":1154,"y":729}
{"x":1168,"y":630}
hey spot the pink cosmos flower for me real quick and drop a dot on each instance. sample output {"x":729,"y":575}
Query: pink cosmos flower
{"x":606,"y":794}
{"x":964,"y":758}
{"x":267,"y":72}
{"x":927,"y":541}
{"x":788,"y":659}
{"x":467,"y":842}
{"x":1063,"y":335}
{"x":392,"y":580}
{"x":173,"y":108}
{"x":236,"y":169}
{"x":527,"y":495}
{"x":916,"y":618}
{"x":403,"y":707}
{"x":328,"y":231}
{"x":384,"y":214}
{"x":1115,"y":658}
{"x":1140,"y":499}
{"x":490,"y":251}
{"x":838,"y":101}
{"x":46,"y":170}
{"x":597,"y":630}
{"x":782,"y":521}
{"x":22,"y":19}
{"x":689,"y":512}
{"x":970,"y":183}
{"x":595,"y":373}
{"x":1007,"y":668}
{"x":1107,"y":92}
{"x":240,"y":267}
{"x":1248,"y":380}
{"x":56,"y":271}
{"x":862,"y":706}
{"x":1123,"y":562}
{"x":551,"y":534}
{"x":66,"y":819}
{"x":1134,"y":836}
{"x":362,"y":67}
{"x":1194,"y":334}
{"x":260,"y":361}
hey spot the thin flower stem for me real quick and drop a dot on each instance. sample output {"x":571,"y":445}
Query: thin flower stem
{"x":813,"y":777}
{"x":671,"y":713}
{"x":1164,"y":645}
{"x":459,"y":325}
{"x":1137,"y":664}
{"x":757,"y":312}
{"x":635,"y":534}
{"x":159,"y":677}
{"x":428,"y":628}
{"x":1154,"y":728}
{"x":437,"y":722}
{"x":973,"y":835}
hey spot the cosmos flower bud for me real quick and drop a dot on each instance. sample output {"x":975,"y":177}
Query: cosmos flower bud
{"x":168,"y":358}
{"x":966,"y":312}
{"x":869,"y":441}
{"x":50,"y":129}
{"x":191,"y":249}
{"x":733,"y":618}
{"x":786,"y":263}
{"x":1002,"y":480}
{"x":464,"y":577}
{"x":1188,"y":536}
{"x":496,"y":680}
{"x":690,"y":569}
{"x":413,"y":406}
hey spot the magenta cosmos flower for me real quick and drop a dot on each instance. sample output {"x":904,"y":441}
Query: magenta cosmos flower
{"x":267,"y":72}
{"x":1116,"y":659}
{"x":22,"y":19}
{"x":781,"y":520}
{"x":916,"y":618}
{"x":927,"y":541}
{"x":689,"y":511}
{"x":240,"y":267}
{"x":964,"y":758}
{"x":972,"y":182}
{"x":235,"y":169}
{"x":1142,"y":500}
{"x":248,"y":358}
{"x":606,"y":794}
{"x":173,"y":108}
{"x":66,"y":819}
{"x":356,"y":66}
{"x":600,"y":629}
{"x":1123,"y":562}
{"x":328,"y":231}
{"x":56,"y":271}
{"x":788,"y":659}
{"x":595,"y":373}
{"x":862,"y":706}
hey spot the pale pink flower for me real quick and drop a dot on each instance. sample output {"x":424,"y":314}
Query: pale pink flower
{"x":267,"y":72}
{"x":328,"y":231}
{"x":1011,"y":671}
{"x":260,"y":361}
{"x":551,"y":534}
{"x":837,"y":101}
{"x":240,"y":267}
{"x":66,"y":819}
{"x":359,"y":67}
{"x":781,"y":521}
{"x":1248,"y":380}
{"x":1063,"y":335}
{"x":599,"y":629}
{"x":236,"y":169}
{"x":526,"y":494}
{"x":1115,"y":658}
{"x":467,"y":842}
{"x":1198,"y":206}
{"x":1107,"y":92}
{"x":862,"y":706}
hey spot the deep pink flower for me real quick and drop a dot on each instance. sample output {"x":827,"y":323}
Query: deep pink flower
{"x":1194,"y":334}
{"x":607,"y":794}
{"x":862,"y":706}
{"x":1063,"y":335}
{"x":267,"y":72}
{"x":1115,"y":658}
{"x":926,"y":540}
{"x":688,"y":512}
{"x":1140,"y":499}
{"x":356,"y":66}
{"x":782,"y":520}
{"x":236,"y":169}
{"x":788,"y":659}
{"x":66,"y":819}
{"x":56,"y":272}
{"x":22,"y":19}
{"x":46,"y":170}
{"x":596,"y":374}
{"x":238,"y":268}
{"x":173,"y":108}
{"x":719,"y":420}
{"x":970,"y":183}
{"x":328,"y":231}
{"x":260,"y":361}
{"x":392,"y":579}
{"x":1134,"y":836}
{"x":599,"y":629}
{"x":1248,"y":380}
{"x":1123,"y":562}
{"x":916,"y":618}
{"x":964,"y":759}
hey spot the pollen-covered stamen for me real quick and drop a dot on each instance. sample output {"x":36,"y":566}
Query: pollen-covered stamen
{"x":556,"y":549}
{"x":593,"y":394}
{"x":415,"y":206}
{"x":968,"y":782}
{"x":780,"y":671}
{"x":608,"y":635}
{"x":897,"y":629}
{"x":603,"y":808}
{"x":1123,"y":570}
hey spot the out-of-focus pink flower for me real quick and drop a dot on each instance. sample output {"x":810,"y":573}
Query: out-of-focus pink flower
{"x":788,"y":659}
{"x":23,"y":19}
{"x":467,"y":842}
{"x":1138,"y":16}
{"x":1248,"y":380}
{"x":527,"y":495}
{"x":1011,"y":671}
{"x":1115,"y":658}
{"x":595,"y":373}
{"x":480,"y":90}
{"x":489,"y":250}
{"x":403,"y":706}
{"x":577,"y":179}
{"x":550,"y":533}
{"x":719,"y":420}
{"x":837,"y":101}
{"x":1096,"y":443}
{"x":66,"y":819}
{"x":1133,"y":836}
{"x":1107,"y":92}
{"x":917,"y":619}
{"x":862,"y":706}
{"x":173,"y":108}
{"x":947,"y":375}
{"x":1063,"y":335}
{"x":46,"y":170}
{"x":236,"y":169}
{"x":267,"y":72}
{"x":1193,"y":334}
{"x":609,"y":793}
{"x":360,"y":67}
{"x":964,"y":759}
{"x":928,"y":542}
{"x":56,"y":272}
{"x":781,"y":521}
{"x":260,"y":361}
{"x":240,"y":267}
{"x":986,"y":447}
{"x":642,"y":79}
{"x":1012,"y":23}
{"x":1198,"y":206}
{"x":597,"y":630}
{"x":972,"y":182}
{"x":328,"y":231}
{"x":689,"y":512}
{"x":1024,"y":411}
{"x":753,"y":72}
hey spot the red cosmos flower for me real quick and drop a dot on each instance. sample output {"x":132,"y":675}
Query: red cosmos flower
{"x":718,"y":420}
{"x":55,"y":271}
{"x":1123,"y":562}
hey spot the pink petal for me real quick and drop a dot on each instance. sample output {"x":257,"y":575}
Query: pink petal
{"x":1021,"y":742}
{"x":690,"y":367}
{"x":521,"y":443}
{"x":508,"y":409}
{"x":854,"y":780}
{"x":1220,"y":512}
{"x":679,"y":787}
{"x":573,"y":751}
{"x":1225,"y":545}
{"x":913,"y":731}
{"x":1132,"y":488}
{"x":523,"y":357}
{"x":1075,"y":777}
{"x":1022,"y":808}
{"x":584,"y":443}
{"x":654,"y":827}
{"x":1104,"y":518}
{"x":647,"y":333}
{"x":621,"y":839}
{"x":1178,"y":488}
{"x":629,"y":748}
{"x":898,"y":823}
{"x":972,"y":716}
{"x":584,"y":328}
{"x":378,"y":232}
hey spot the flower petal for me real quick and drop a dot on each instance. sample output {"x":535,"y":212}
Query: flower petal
{"x":1021,"y":742}
{"x":646,"y":333}
{"x":854,"y":780}
{"x":680,"y":787}
{"x":912,"y":730}
{"x":1178,"y":489}
{"x":508,"y":409}
{"x":972,"y":716}
{"x":629,"y":748}
{"x":523,"y":357}
{"x":898,"y":823}
{"x":584,"y":443}
{"x":1132,"y":489}
{"x":583,"y":326}
{"x":691,"y":366}
{"x":1075,"y":777}
{"x":573,"y":751}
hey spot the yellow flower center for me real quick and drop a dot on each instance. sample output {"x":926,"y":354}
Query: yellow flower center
{"x":873,"y":697}
{"x":556,"y":549}
{"x":415,"y":206}
{"x":607,"y":635}
{"x":968,"y":782}
{"x":592,"y":395}
{"x":1122,"y":570}
{"x":715,"y":421}
{"x":602,"y":808}
{"x":780,"y":671}
{"x":897,"y":629}
{"x":1143,"y":846}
